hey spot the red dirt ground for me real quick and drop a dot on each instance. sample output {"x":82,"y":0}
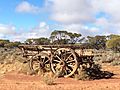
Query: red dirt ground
{"x":15,"y":81}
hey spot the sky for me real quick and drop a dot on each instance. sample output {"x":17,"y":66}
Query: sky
{"x":23,"y":19}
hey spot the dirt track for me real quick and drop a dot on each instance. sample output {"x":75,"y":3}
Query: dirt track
{"x":15,"y":81}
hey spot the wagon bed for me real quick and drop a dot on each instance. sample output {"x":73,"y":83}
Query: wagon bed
{"x":39,"y":47}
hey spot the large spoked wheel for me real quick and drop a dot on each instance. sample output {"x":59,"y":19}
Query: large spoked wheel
{"x":64,"y":62}
{"x":39,"y":62}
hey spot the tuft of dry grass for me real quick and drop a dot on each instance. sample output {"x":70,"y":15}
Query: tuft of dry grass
{"x":82,"y":75}
{"x":49,"y":78}
{"x":25,"y":69}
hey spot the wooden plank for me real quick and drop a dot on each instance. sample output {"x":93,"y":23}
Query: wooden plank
{"x":51,"y":46}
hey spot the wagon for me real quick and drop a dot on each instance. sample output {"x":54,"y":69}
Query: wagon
{"x":60,"y":59}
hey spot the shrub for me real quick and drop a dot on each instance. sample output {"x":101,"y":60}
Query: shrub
{"x":25,"y":69}
{"x":92,"y":73}
{"x":82,"y":75}
{"x":116,"y":62}
{"x":49,"y":78}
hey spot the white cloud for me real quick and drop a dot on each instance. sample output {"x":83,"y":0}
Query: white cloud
{"x":73,"y":15}
{"x":72,"y":11}
{"x":26,"y":7}
{"x":42,"y":30}
{"x":111,"y":7}
{"x":82,"y":29}
{"x":108,"y":27}
{"x":9,"y":32}
{"x":7,"y":29}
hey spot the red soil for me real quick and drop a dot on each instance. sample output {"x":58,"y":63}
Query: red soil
{"x":15,"y":81}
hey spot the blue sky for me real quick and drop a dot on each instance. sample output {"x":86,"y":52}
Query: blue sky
{"x":22,"y":19}
{"x":26,"y":20}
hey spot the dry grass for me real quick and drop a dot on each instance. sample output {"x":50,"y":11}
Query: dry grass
{"x":10,"y":60}
{"x":49,"y":78}
{"x":25,"y":69}
{"x":108,"y":57}
{"x":82,"y":75}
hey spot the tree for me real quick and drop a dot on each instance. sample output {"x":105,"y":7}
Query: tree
{"x":29,"y":41}
{"x":64,"y":37}
{"x":42,"y":41}
{"x":112,"y":36}
{"x":97,"y":42}
{"x":114,"y":43}
{"x":3,"y":42}
{"x":12,"y":44}
{"x":59,"y":37}
{"x":74,"y":37}
{"x":38,"y":41}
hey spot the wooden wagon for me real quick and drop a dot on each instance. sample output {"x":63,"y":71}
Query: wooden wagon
{"x":64,"y":59}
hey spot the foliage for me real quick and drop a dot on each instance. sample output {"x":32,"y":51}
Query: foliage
{"x":64,"y":37}
{"x":97,"y":42}
{"x":82,"y":75}
{"x":59,"y":37}
{"x":112,"y":36}
{"x":25,"y":69}
{"x":110,"y":57}
{"x":3,"y":42}
{"x":115,"y":63}
{"x":74,"y":37}
{"x":114,"y":43}
{"x":38,"y":41}
{"x":42,"y":41}
{"x":12,"y":44}
{"x":29,"y":41}
{"x":92,"y":73}
{"x":49,"y":78}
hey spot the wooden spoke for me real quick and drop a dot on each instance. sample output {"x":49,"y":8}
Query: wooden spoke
{"x":65,"y":61}
{"x":56,"y":61}
{"x":44,"y":60}
{"x":68,"y":57}
{"x":47,"y":61}
{"x":58,"y":57}
{"x":40,"y":61}
{"x":71,"y":61}
{"x":69,"y":68}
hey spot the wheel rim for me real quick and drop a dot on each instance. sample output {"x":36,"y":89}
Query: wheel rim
{"x":40,"y":61}
{"x":64,"y":62}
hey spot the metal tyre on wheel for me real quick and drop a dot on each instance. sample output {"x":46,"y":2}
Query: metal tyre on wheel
{"x":64,"y":61}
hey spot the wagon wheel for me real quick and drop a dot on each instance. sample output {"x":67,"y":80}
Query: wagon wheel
{"x":39,"y":62}
{"x":64,"y":61}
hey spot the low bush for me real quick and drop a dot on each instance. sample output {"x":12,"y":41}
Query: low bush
{"x":92,"y":73}
{"x":109,"y":57}
{"x":49,"y":78}
{"x":82,"y":75}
